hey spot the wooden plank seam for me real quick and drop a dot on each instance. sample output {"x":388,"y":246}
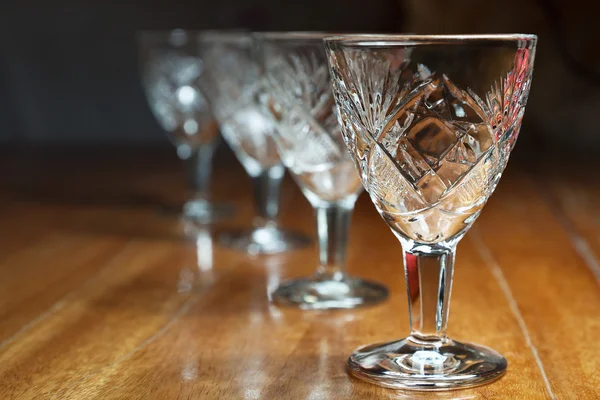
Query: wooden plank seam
{"x":581,"y":245}
{"x":494,"y":267}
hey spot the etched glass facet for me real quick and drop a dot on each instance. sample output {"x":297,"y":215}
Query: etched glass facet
{"x":430,"y":122}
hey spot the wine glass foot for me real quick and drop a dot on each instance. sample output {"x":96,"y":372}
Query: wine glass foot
{"x":320,"y":294}
{"x":206,"y":212}
{"x":263,"y":240}
{"x":411,"y":364}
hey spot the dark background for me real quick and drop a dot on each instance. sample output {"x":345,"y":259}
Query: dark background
{"x":69,"y":71}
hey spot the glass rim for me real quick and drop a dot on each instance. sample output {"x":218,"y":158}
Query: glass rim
{"x":145,"y":35}
{"x":166,"y":32}
{"x":390,"y":40}
{"x":299,"y":35}
{"x":165,"y":35}
{"x":224,"y":36}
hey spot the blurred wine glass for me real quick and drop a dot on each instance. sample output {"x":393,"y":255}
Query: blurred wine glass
{"x":298,"y":98}
{"x":171,"y":69}
{"x":231,"y":80}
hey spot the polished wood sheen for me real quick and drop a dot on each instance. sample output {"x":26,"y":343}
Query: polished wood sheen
{"x":106,"y":294}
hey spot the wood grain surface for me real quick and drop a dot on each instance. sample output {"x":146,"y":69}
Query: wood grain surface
{"x":106,"y":294}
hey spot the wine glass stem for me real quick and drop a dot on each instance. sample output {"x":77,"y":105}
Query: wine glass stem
{"x":428,"y":271}
{"x":200,"y":170}
{"x":333,"y":225}
{"x":267,"y":185}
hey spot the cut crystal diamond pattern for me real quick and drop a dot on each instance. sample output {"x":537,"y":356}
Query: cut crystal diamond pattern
{"x":430,"y":153}
{"x":436,"y":137}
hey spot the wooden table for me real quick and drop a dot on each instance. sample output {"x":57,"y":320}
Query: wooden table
{"x":103,"y":296}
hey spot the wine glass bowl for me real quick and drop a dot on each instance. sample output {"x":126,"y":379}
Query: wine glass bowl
{"x":171,"y":70}
{"x":232,"y":81}
{"x":301,"y":103}
{"x":430,"y":122}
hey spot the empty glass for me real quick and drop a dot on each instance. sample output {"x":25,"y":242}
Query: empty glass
{"x":298,"y":98}
{"x":171,"y":69}
{"x":430,"y":122}
{"x":231,"y":82}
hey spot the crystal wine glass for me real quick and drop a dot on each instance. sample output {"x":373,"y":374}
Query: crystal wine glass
{"x":231,"y":82}
{"x":430,"y":122}
{"x":171,"y":69}
{"x":298,"y":98}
